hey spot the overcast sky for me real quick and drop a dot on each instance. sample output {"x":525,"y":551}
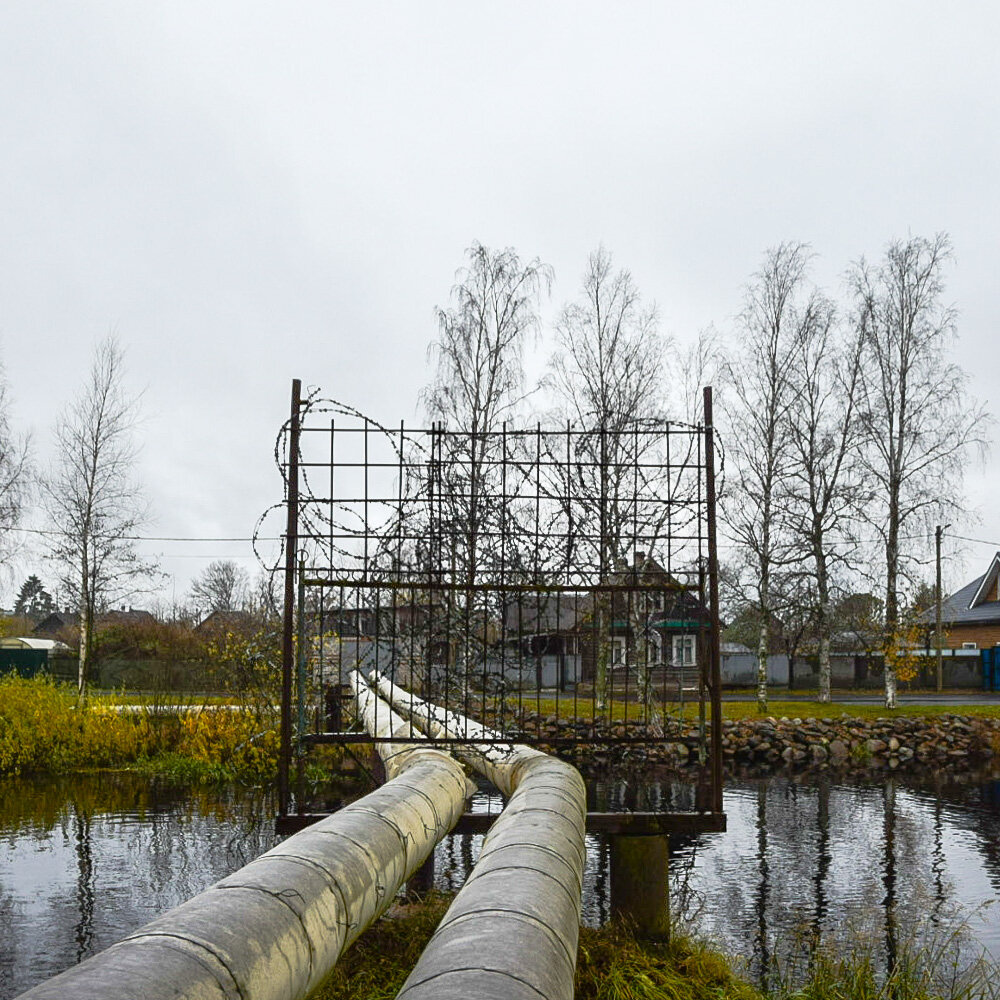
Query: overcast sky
{"x":248,"y":193}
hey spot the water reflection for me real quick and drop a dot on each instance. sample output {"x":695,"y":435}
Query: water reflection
{"x":889,"y":879}
{"x":84,"y":861}
{"x":84,"y":884}
{"x":807,"y":860}
{"x":823,"y":857}
{"x":761,"y":950}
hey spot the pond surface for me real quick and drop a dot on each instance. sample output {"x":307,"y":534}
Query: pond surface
{"x":85,"y":860}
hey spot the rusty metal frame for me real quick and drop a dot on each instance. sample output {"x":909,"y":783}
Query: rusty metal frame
{"x":375,"y":536}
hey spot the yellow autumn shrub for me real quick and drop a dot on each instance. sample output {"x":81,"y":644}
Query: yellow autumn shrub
{"x":902,"y":651}
{"x":43,"y":730}
{"x":239,"y":743}
{"x":38,"y":729}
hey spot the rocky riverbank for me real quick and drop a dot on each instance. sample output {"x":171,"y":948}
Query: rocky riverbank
{"x":843,"y":744}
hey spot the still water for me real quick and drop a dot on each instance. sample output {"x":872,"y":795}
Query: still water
{"x":85,"y":860}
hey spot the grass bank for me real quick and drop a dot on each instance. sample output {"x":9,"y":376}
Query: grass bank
{"x":42,"y":730}
{"x":613,"y":965}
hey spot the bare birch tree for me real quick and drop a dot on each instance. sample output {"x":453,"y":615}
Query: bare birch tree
{"x":758,"y":401}
{"x":93,"y":501}
{"x":15,"y":472}
{"x":917,"y":413}
{"x":607,"y":379}
{"x":223,"y":585}
{"x":478,"y":385}
{"x":692,"y":367}
{"x":822,"y":489}
{"x":479,"y":376}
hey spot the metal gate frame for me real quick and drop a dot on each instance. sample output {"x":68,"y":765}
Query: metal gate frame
{"x":301,"y":578}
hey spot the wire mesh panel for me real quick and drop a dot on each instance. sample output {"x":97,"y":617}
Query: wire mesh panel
{"x":551,"y":583}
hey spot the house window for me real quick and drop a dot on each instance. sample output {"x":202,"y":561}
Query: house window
{"x":654,"y":648}
{"x":970,"y":645}
{"x":683,"y":652}
{"x":617,"y":652}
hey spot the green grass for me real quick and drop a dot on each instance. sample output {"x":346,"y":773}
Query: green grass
{"x":165,"y":699}
{"x":583,"y":708}
{"x":183,"y":770}
{"x":376,"y":965}
{"x":613,"y":965}
{"x":834,"y":710}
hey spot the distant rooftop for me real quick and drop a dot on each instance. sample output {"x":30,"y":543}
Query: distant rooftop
{"x":976,"y":602}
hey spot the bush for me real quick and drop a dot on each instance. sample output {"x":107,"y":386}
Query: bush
{"x":235,"y":741}
{"x":42,"y":730}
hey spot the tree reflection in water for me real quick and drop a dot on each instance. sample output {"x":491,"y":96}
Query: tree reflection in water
{"x":889,"y":878}
{"x":84,"y":931}
{"x":87,"y":859}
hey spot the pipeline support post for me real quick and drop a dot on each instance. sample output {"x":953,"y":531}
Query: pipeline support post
{"x":639,"y":883}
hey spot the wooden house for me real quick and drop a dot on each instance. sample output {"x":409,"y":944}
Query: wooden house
{"x":970,"y":617}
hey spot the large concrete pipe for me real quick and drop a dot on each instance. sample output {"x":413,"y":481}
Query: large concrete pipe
{"x":512,"y":930}
{"x":274,"y":929}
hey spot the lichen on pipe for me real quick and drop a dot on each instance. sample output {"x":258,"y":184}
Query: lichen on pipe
{"x":512,"y":930}
{"x":274,"y":929}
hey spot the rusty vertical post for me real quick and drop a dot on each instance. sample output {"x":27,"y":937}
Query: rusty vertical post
{"x":288,"y":621}
{"x":713,"y":590}
{"x":300,"y":685}
{"x":300,"y":658}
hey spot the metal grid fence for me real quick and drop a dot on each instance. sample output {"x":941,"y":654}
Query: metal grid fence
{"x":559,"y":585}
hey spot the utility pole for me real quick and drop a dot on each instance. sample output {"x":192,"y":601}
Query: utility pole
{"x":937,"y":594}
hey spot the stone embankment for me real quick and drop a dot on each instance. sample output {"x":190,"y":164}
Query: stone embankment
{"x":842,"y":743}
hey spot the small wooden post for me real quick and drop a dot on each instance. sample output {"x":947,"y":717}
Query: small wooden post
{"x":639,"y":891}
{"x":377,"y":765}
{"x":421,"y":881}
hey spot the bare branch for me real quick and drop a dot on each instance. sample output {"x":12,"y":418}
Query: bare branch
{"x":93,"y":500}
{"x":919,"y":420}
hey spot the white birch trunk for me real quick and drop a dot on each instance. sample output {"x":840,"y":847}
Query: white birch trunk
{"x":762,"y":644}
{"x":824,"y":667}
{"x":890,"y":686}
{"x":512,"y":930}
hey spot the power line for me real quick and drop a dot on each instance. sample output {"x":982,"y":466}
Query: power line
{"x":157,"y":538}
{"x":978,"y":541}
{"x":279,"y":538}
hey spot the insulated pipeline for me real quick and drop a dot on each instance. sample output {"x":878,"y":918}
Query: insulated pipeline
{"x":274,"y":929}
{"x":512,"y":930}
